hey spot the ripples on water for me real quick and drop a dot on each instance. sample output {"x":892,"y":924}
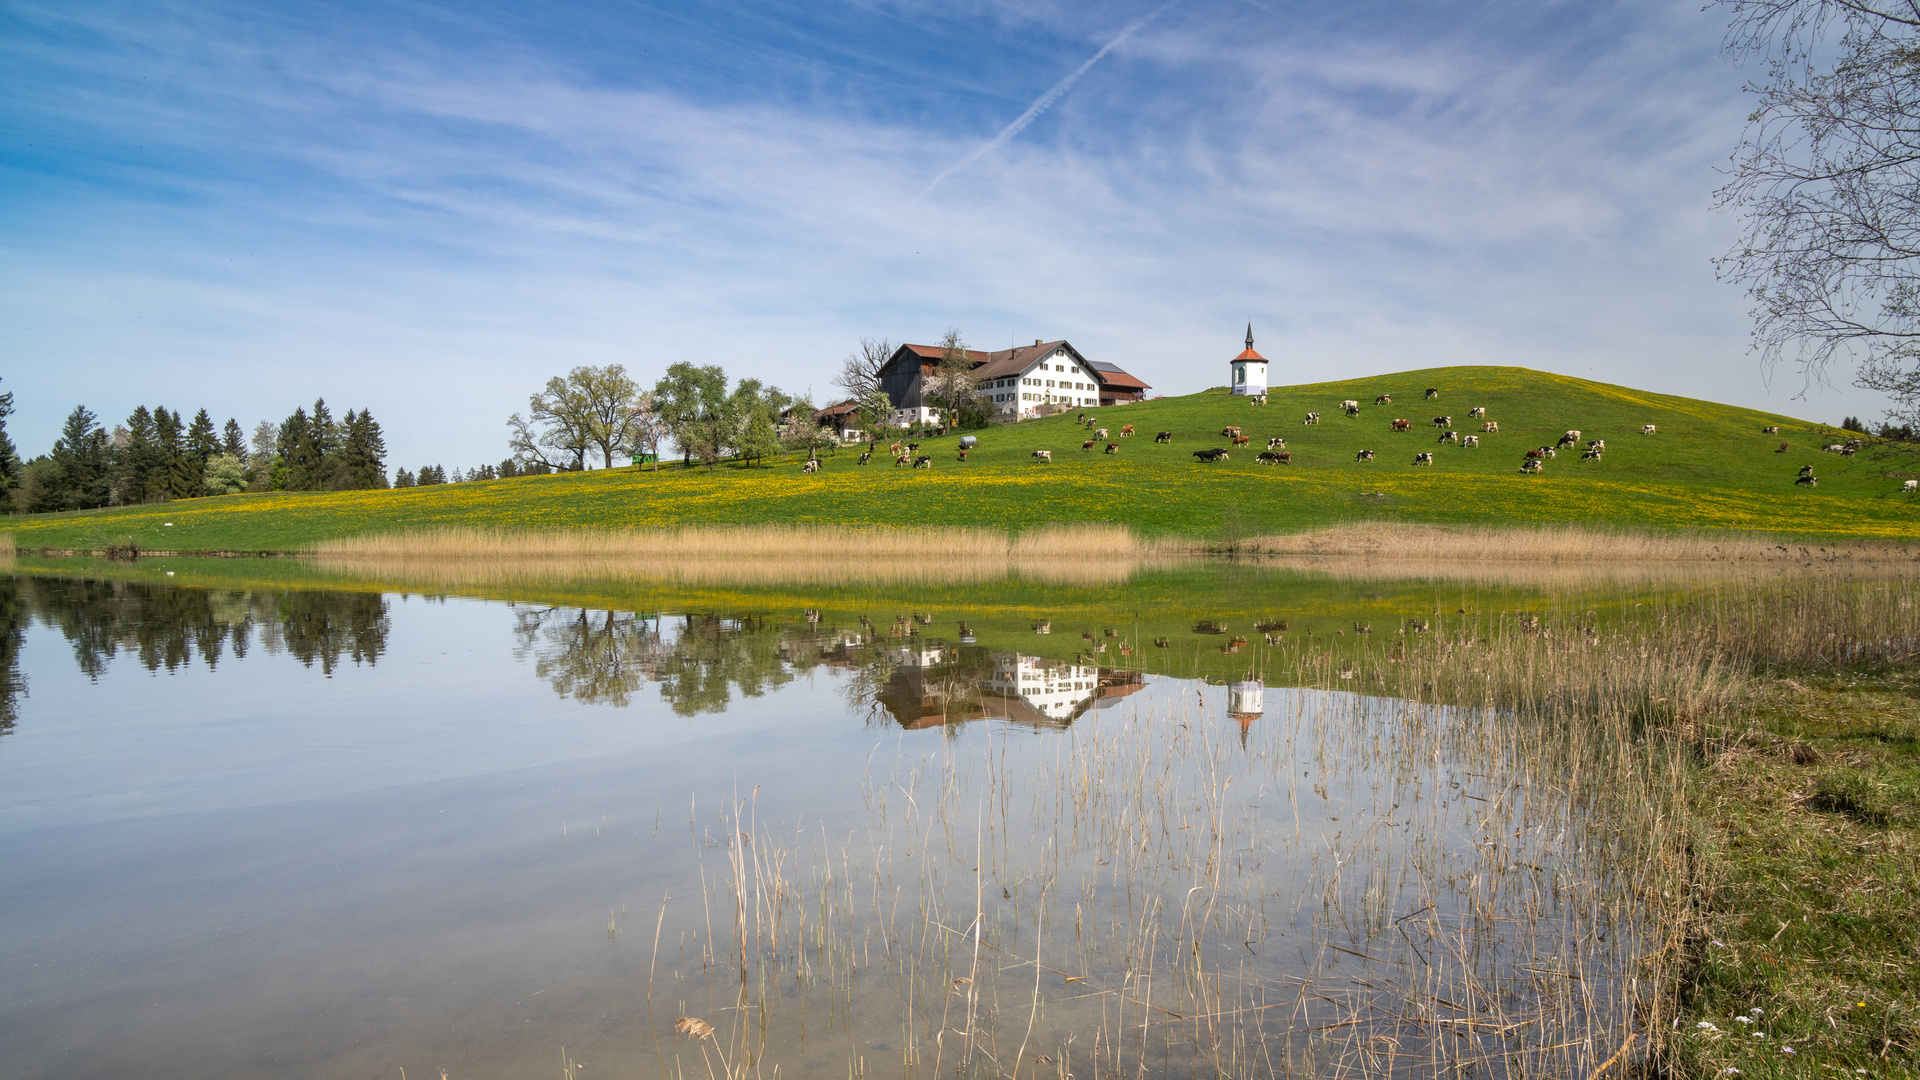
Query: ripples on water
{"x":316,"y":832}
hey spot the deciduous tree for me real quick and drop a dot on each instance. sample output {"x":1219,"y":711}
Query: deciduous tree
{"x":1825,"y":183}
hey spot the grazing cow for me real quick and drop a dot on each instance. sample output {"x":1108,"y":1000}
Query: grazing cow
{"x":1910,"y":486}
{"x":866,"y":457}
{"x":1432,"y":392}
{"x":1229,"y":431}
{"x":1532,"y":465}
{"x":902,"y":461}
{"x":1088,"y":445}
{"x":924,"y":461}
{"x":1165,"y":437}
{"x":1242,"y":440}
{"x":1848,"y":450}
{"x":1567,"y":440}
{"x":1312,"y":418}
{"x":1403,"y":425}
{"x":1100,"y":434}
{"x":1834,"y":448}
{"x":1471,"y":440}
{"x":1273,"y":458}
{"x":1491,"y":427}
{"x":1535,"y":455}
{"x":1126,"y":431}
{"x":1353,"y":410}
{"x":1477,"y":411}
{"x":1808,"y":479}
{"x":1647,"y":429}
{"x":1423,"y":458}
{"x":1443,"y":421}
{"x":1597,"y":444}
{"x":1450,"y":437}
{"x":1770,"y":430}
{"x":1215,"y":454}
{"x":1364,"y":455}
{"x":1113,"y":448}
{"x":1573,"y":434}
{"x":1383,"y":399}
{"x":1782,"y":450}
{"x":1547,"y":451}
{"x":1043,"y":455}
{"x":1590,"y":455}
{"x":963,"y":453}
{"x":1806,"y":470}
{"x":894,"y":449}
{"x":1276,"y":443}
{"x":1350,"y":404}
{"x":812,"y":466}
{"x":1257,"y":399}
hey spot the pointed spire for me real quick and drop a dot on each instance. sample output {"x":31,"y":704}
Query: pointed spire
{"x":1249,"y":335}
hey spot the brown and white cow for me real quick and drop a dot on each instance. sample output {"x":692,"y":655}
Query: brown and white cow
{"x":1403,"y":425}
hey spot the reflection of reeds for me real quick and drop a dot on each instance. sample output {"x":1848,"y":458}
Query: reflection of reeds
{"x":751,"y":554}
{"x":1565,"y":543}
{"x":7,"y":548}
{"x":1488,"y":873}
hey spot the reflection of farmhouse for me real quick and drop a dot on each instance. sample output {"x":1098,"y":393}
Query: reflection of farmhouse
{"x":931,"y":687}
{"x":1017,"y":382}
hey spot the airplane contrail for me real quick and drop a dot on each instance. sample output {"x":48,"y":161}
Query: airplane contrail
{"x":1042,"y":102}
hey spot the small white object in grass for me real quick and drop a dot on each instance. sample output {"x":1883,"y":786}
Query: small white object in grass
{"x":1706,"y":1025}
{"x":169,"y":573}
{"x":1743,"y":1019}
{"x":1786,"y":1049}
{"x":1756,"y":1010}
{"x":169,"y":524}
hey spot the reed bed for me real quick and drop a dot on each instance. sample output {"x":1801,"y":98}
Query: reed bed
{"x":745,"y":555}
{"x":1567,"y":543}
{"x":1464,"y":847}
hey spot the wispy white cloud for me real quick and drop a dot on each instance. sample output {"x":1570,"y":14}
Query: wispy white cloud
{"x":432,"y":233}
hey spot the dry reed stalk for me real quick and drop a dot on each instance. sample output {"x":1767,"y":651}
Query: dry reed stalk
{"x":1567,"y":543}
{"x":753,"y":554}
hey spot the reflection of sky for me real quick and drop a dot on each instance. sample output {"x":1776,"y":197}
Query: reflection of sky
{"x":209,"y":866}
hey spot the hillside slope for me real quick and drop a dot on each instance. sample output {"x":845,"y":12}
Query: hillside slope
{"x":1707,"y":466}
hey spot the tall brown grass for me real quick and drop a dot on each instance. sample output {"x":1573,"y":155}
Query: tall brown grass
{"x":747,"y":554}
{"x":1568,"y":543}
{"x":7,"y":548}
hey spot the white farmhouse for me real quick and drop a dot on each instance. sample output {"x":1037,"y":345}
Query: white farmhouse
{"x":1018,"y":382}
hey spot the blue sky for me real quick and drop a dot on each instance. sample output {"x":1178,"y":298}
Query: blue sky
{"x":427,"y":210}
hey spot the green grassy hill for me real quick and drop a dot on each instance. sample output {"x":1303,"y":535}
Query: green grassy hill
{"x":1708,"y":466}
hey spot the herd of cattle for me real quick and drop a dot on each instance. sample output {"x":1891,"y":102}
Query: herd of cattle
{"x":1533,"y":461}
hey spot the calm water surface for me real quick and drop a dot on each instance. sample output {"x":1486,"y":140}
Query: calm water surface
{"x":339,"y":834}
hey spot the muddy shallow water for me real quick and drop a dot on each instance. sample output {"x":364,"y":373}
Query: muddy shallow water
{"x":331,"y":832}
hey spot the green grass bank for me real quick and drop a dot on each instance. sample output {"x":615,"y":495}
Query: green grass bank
{"x":1706,"y":467}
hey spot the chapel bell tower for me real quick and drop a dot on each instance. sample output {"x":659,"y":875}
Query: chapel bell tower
{"x":1250,"y":370}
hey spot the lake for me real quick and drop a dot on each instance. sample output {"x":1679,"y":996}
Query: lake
{"x":259,"y":818}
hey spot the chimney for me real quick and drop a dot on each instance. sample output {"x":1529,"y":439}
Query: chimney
{"x":1036,"y":341}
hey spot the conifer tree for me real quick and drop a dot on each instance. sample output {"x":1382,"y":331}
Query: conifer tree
{"x":202,"y":443}
{"x":363,"y":453}
{"x":297,"y":453}
{"x":9,"y":457}
{"x":79,"y":477}
{"x":233,"y":441}
{"x":139,"y":464}
{"x":403,"y":479}
{"x":326,"y":436}
{"x":179,"y":478}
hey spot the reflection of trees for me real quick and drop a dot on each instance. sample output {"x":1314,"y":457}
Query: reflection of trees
{"x":598,"y":657}
{"x":14,"y":616}
{"x":699,"y":661}
{"x":168,"y":627}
